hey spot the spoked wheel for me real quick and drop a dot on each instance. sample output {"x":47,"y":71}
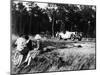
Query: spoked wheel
{"x":72,"y":37}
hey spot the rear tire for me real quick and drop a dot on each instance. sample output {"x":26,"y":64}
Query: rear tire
{"x":72,"y":37}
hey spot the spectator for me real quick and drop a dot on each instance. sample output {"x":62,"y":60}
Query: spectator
{"x":33,"y":53}
{"x":23,"y":47}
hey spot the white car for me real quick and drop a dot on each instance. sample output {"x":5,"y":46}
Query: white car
{"x":69,"y":35}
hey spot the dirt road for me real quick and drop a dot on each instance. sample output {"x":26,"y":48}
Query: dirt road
{"x":80,"y":47}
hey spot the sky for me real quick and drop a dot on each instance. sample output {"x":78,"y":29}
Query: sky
{"x":41,"y":5}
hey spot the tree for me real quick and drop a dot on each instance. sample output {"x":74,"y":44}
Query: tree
{"x":51,"y":11}
{"x":32,"y":19}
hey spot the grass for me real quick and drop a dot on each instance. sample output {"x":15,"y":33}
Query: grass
{"x":54,"y":60}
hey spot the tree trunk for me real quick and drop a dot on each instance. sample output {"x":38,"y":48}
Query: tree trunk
{"x":53,"y":26}
{"x":30,"y":24}
{"x":20,"y":25}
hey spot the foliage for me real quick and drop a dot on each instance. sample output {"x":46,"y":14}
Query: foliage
{"x":32,"y":19}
